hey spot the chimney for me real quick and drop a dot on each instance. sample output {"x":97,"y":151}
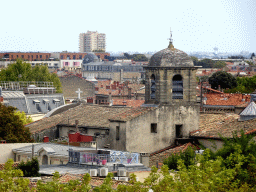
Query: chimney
{"x":76,"y":122}
{"x":129,"y":93}
{"x":110,"y":101}
{"x":46,"y":139}
{"x":121,"y":75}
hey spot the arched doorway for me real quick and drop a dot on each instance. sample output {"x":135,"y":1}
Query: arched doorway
{"x":45,"y":160}
{"x":177,"y":87}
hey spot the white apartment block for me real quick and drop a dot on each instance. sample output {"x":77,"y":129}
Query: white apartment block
{"x":92,"y":40}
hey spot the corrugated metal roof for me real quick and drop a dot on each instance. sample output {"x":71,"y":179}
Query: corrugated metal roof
{"x":250,"y":110}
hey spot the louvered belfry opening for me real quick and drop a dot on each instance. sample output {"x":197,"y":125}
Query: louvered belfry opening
{"x":177,"y":87}
{"x":153,"y":87}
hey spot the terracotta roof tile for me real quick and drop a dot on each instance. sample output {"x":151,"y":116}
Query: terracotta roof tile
{"x":211,"y":125}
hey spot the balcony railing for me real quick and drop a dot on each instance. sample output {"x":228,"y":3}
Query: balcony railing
{"x":113,"y":157}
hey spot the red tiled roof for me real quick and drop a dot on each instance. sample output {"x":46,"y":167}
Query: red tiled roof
{"x":175,"y":149}
{"x":226,"y":99}
{"x":211,"y":125}
{"x":132,"y":113}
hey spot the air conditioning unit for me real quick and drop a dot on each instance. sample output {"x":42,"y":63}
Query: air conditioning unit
{"x":93,"y":172}
{"x":103,"y":172}
{"x":121,"y":173}
{"x":123,"y":178}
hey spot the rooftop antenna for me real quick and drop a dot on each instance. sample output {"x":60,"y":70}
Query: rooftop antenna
{"x":170,"y":40}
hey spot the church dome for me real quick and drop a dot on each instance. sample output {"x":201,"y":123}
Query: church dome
{"x":170,"y":57}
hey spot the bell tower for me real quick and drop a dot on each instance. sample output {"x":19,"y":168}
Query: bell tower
{"x":170,"y":77}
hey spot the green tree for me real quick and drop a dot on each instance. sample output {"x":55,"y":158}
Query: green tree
{"x":22,"y":116}
{"x":187,"y":156}
{"x":29,"y":168}
{"x":222,"y":78}
{"x":244,"y":85}
{"x":11,"y":179}
{"x":22,"y":71}
{"x":11,"y":127}
{"x":249,"y":62}
{"x":195,"y":60}
{"x":139,"y":57}
{"x":205,"y":63}
{"x":219,"y":64}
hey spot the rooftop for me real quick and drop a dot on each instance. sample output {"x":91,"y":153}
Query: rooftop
{"x":211,"y":125}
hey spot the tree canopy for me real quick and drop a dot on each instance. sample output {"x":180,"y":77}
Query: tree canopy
{"x":22,"y":71}
{"x":22,"y":116}
{"x":244,"y":85}
{"x":11,"y":127}
{"x":219,"y":64}
{"x":136,"y":57}
{"x":222,"y":78}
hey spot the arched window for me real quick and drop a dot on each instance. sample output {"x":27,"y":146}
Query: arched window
{"x":153,"y":87}
{"x":177,"y":87}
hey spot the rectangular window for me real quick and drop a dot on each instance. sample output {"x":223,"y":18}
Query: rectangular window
{"x":117,"y":132}
{"x":74,"y":57}
{"x":22,"y":56}
{"x":80,"y":56}
{"x":40,"y":56}
{"x":17,"y":56}
{"x":37,"y":56}
{"x":61,"y":57}
{"x":178,"y":129}
{"x":153,"y":127}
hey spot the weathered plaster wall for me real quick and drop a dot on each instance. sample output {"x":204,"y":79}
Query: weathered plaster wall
{"x":139,"y":137}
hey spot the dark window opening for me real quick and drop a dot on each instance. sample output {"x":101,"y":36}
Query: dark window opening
{"x":61,"y":57}
{"x":41,"y":56}
{"x":22,"y":56}
{"x":177,"y":87}
{"x":153,"y":127}
{"x":74,"y":57}
{"x":178,"y":129}
{"x":152,"y":87}
{"x":80,"y":56}
{"x":117,"y":132}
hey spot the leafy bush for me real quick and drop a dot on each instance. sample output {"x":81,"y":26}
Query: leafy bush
{"x":30,"y":168}
{"x":188,"y":156}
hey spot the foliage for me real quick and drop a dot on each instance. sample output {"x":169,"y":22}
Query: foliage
{"x":11,"y":179}
{"x":22,"y":71}
{"x":107,"y":184}
{"x":188,"y":156}
{"x":136,"y":57}
{"x":139,"y":57}
{"x":236,"y":57}
{"x":219,"y":64}
{"x":194,"y":59}
{"x":253,"y":55}
{"x":222,"y":78}
{"x":205,"y":63}
{"x":11,"y":127}
{"x":22,"y":116}
{"x":204,"y":78}
{"x":30,"y":168}
{"x":249,"y":62}
{"x":244,"y":85}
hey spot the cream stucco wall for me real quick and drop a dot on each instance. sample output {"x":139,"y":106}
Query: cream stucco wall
{"x":6,"y":150}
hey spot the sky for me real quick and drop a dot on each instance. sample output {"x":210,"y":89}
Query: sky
{"x":134,"y":25}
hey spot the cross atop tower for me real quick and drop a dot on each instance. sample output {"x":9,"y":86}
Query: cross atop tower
{"x":170,"y":40}
{"x":78,"y":92}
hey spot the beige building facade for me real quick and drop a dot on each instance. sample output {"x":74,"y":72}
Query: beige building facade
{"x":91,"y":41}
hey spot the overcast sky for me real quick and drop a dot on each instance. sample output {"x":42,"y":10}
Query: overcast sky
{"x":134,"y":25}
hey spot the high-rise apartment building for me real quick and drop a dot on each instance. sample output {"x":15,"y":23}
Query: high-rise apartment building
{"x":91,"y":41}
